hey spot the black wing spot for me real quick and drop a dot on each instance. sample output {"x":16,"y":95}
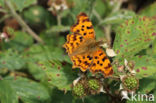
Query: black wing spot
{"x":86,"y":63}
{"x":98,"y":62}
{"x":78,"y":30}
{"x":84,"y":34}
{"x":79,"y":61}
{"x":83,"y":57}
{"x":89,"y":57}
{"x":77,"y":43}
{"x":74,"y":38}
{"x":94,"y":64}
{"x":85,"y":20}
{"x":100,"y":54}
{"x":89,"y":27}
{"x":91,"y":32}
{"x":104,"y":58}
{"x":96,"y":57}
{"x":109,"y":65}
{"x":82,"y":26}
{"x":71,"y":44}
{"x":82,"y":29}
{"x":101,"y":64}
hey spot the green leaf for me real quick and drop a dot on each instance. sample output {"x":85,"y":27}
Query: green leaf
{"x":82,"y":6}
{"x":144,"y":66}
{"x":133,"y":36}
{"x":21,"y":4}
{"x":1,"y":3}
{"x":7,"y":94}
{"x":19,"y":41}
{"x":39,"y":53}
{"x":146,"y":85}
{"x":99,"y":33}
{"x":65,"y":98}
{"x":43,"y":53}
{"x":11,"y":60}
{"x":58,"y":29}
{"x":28,"y":90}
{"x":59,"y":75}
{"x":149,"y":10}
{"x":105,"y":8}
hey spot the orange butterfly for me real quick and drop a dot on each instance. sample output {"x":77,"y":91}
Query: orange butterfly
{"x":84,"y":50}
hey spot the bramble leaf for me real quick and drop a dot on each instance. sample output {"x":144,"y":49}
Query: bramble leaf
{"x":28,"y":90}
{"x":144,"y":66}
{"x":149,"y":10}
{"x":7,"y":93}
{"x":11,"y":60}
{"x":133,"y":36}
{"x":21,"y":4}
{"x":59,"y":75}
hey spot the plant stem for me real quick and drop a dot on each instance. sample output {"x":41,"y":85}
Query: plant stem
{"x":22,"y":22}
{"x":107,"y":30}
{"x":59,"y":19}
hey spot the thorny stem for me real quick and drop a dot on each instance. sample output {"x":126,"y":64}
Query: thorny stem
{"x":22,"y":23}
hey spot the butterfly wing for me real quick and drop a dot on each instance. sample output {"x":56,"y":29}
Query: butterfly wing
{"x":101,"y":63}
{"x":73,"y":42}
{"x":83,"y":26}
{"x":82,"y":61}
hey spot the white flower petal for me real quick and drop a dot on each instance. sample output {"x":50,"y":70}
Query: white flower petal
{"x":76,"y":81}
{"x":110,"y":52}
{"x":102,"y":90}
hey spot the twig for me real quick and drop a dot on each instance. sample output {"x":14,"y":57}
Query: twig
{"x":97,"y":15}
{"x":118,"y":5}
{"x":22,"y":23}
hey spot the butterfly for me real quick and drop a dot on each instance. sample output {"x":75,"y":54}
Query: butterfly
{"x":84,"y":51}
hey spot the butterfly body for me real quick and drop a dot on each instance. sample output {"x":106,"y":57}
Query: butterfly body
{"x":89,"y":46}
{"x":83,"y":49}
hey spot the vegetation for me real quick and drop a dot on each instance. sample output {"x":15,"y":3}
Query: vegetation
{"x":34,"y":68}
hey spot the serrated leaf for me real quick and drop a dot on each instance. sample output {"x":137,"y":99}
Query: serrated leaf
{"x":28,"y":90}
{"x":43,"y":53}
{"x":11,"y":60}
{"x":59,"y":75}
{"x":133,"y":36}
{"x":149,"y":10}
{"x":7,"y":94}
{"x":144,"y":66}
